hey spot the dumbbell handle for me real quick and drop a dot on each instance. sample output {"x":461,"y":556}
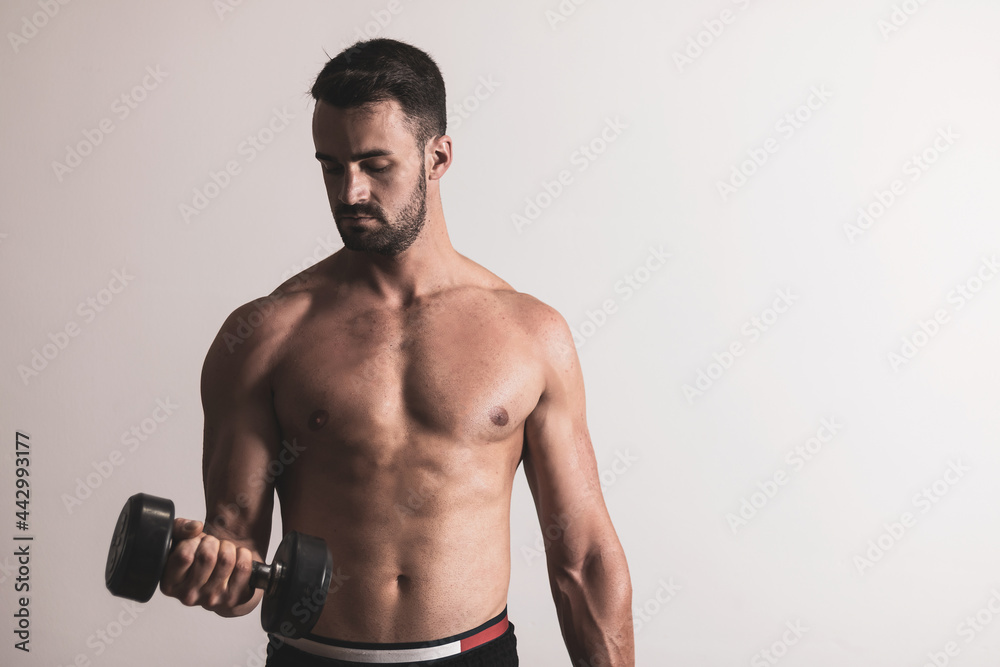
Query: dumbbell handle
{"x":266,"y":576}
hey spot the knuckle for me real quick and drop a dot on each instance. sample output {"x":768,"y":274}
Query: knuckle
{"x":226,"y":558}
{"x":207,"y":554}
{"x":243,"y":567}
{"x":205,"y":558}
{"x":183,"y":557}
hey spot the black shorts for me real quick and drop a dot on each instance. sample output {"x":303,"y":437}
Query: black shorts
{"x":498,"y":651}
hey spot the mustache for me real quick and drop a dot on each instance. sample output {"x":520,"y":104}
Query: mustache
{"x":358,"y":212}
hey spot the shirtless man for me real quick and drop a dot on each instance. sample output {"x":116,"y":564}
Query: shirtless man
{"x":388,"y":395}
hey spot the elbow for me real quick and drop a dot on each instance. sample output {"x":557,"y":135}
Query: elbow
{"x":604,"y":563}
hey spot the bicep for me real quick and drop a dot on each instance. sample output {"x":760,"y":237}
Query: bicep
{"x":560,"y":465}
{"x":241,"y":439}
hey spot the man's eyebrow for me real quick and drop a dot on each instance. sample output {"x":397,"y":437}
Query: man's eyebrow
{"x":377,"y":152}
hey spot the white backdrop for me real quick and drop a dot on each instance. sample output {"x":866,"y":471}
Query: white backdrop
{"x":772,"y":226}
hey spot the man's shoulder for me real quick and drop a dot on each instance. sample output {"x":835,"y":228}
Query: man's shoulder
{"x":524,"y":309}
{"x":260,"y":326}
{"x":306,"y":282}
{"x":533,"y":314}
{"x":543,"y":325}
{"x":285,"y":306}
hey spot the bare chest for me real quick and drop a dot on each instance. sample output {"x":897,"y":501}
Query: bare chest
{"x":461,"y":371}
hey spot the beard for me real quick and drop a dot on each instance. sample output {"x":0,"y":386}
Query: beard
{"x":389,"y":238}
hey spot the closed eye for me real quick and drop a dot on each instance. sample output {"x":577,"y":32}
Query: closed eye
{"x":337,"y":169}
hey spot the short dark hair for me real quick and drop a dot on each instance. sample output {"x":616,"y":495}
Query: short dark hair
{"x":377,"y":70}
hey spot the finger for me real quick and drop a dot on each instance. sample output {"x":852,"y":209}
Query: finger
{"x":186,"y":528}
{"x":201,"y":569}
{"x":180,"y":560}
{"x":216,"y":591}
{"x":239,"y":581}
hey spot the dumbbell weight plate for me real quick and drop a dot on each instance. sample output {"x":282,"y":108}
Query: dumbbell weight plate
{"x":139,"y":547}
{"x":300,"y":587}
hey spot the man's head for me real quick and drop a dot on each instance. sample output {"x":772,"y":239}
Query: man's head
{"x":379,"y":129}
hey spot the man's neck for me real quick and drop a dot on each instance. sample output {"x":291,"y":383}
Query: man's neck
{"x":427,"y":266}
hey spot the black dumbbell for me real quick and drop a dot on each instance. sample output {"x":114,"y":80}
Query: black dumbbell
{"x":295,"y":584}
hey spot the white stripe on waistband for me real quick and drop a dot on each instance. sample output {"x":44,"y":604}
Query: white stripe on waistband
{"x":381,"y":656}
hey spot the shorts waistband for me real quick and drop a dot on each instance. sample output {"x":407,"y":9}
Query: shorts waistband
{"x":401,"y":651}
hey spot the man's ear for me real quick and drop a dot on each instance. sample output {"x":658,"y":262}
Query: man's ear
{"x":438,"y":155}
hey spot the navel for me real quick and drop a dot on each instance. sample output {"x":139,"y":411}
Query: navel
{"x":498,"y":416}
{"x":317,"y":420}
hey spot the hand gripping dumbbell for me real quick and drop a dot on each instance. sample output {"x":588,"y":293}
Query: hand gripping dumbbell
{"x":295,"y":584}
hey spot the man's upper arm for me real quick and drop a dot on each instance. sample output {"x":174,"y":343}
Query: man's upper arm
{"x":559,"y":462}
{"x":241,"y":431}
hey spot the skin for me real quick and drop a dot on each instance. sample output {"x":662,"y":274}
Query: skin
{"x":394,"y":389}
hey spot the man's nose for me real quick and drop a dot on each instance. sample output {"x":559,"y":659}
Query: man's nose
{"x":354,"y":188}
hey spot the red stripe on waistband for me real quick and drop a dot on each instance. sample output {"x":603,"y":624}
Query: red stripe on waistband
{"x":486,"y":635}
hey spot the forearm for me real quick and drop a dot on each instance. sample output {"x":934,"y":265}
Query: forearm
{"x":594,"y":605}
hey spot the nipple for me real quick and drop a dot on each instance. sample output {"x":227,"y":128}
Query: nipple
{"x":498,"y":416}
{"x":317,"y":420}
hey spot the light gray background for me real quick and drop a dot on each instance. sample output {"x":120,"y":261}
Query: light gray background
{"x":674,"y":466}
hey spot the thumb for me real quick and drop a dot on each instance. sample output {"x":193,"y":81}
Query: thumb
{"x":186,"y":528}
